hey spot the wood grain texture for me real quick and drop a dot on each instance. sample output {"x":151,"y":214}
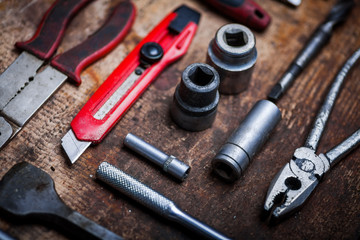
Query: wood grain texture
{"x":333,"y":212}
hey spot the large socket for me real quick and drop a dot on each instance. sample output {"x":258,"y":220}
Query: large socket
{"x":233,"y":54}
{"x":196,"y":98}
{"x":236,"y":154}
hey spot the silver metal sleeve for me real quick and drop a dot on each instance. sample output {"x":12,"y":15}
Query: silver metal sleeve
{"x":145,"y":149}
{"x":235,"y":155}
{"x":153,"y":200}
{"x":169,"y":164}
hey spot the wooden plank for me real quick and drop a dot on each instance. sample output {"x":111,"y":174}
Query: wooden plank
{"x":332,"y":212}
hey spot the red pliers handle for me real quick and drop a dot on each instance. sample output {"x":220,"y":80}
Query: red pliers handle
{"x":245,"y":12}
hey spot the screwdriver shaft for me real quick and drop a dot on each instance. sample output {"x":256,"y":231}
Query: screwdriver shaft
{"x":317,"y":41}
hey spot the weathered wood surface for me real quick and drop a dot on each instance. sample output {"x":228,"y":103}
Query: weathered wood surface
{"x":333,"y":212}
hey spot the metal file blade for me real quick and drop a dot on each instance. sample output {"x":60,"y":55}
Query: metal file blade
{"x":17,"y":75}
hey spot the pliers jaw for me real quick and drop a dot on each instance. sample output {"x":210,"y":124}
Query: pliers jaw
{"x":294,"y":183}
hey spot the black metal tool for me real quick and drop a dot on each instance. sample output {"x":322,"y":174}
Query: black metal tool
{"x":28,"y":192}
{"x":317,"y":41}
{"x":196,"y":98}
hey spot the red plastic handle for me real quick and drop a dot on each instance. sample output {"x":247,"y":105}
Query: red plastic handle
{"x":51,"y":29}
{"x":104,"y":40}
{"x":246,"y":12}
{"x":175,"y":45}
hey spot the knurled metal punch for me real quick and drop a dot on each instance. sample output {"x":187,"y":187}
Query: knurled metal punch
{"x":297,"y":179}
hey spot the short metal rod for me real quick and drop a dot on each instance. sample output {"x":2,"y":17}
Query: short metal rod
{"x":152,"y":199}
{"x":169,"y":164}
{"x":145,"y":149}
{"x":325,"y":110}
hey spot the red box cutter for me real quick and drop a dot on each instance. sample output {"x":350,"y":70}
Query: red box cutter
{"x":168,"y":41}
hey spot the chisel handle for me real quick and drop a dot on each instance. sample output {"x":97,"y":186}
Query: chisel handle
{"x":72,"y":62}
{"x":51,"y":28}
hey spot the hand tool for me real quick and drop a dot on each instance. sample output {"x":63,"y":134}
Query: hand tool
{"x":153,"y":200}
{"x":37,"y":50}
{"x":317,"y":41}
{"x":165,"y":44}
{"x":196,"y":98}
{"x":246,"y":12}
{"x":27,"y":192}
{"x":23,"y":91}
{"x":169,"y":164}
{"x":235,"y":155}
{"x":297,"y":179}
{"x":292,"y":3}
{"x":233,"y":54}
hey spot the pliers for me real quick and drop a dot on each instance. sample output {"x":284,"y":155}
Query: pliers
{"x":294,"y":183}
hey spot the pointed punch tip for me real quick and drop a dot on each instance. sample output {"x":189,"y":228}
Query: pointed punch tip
{"x":73,"y":147}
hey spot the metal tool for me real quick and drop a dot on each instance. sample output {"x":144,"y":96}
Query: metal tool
{"x":297,"y":179}
{"x":317,"y":41}
{"x":153,"y":200}
{"x":27,"y":192}
{"x":165,"y":44}
{"x":23,"y":90}
{"x":235,"y":155}
{"x":233,"y":54}
{"x":292,"y":3}
{"x":245,"y":12}
{"x":196,"y":98}
{"x":169,"y":164}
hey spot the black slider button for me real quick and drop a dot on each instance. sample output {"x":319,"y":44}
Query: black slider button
{"x":151,"y":52}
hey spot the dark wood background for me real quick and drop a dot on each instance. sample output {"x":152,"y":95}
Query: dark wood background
{"x":333,"y":212}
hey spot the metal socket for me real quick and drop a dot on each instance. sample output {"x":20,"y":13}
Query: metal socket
{"x":196,"y":98}
{"x":233,"y":54}
{"x":169,"y":164}
{"x":236,"y":154}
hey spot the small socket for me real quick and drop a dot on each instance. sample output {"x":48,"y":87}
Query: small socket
{"x":169,"y":164}
{"x":196,"y":98}
{"x":233,"y":54}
